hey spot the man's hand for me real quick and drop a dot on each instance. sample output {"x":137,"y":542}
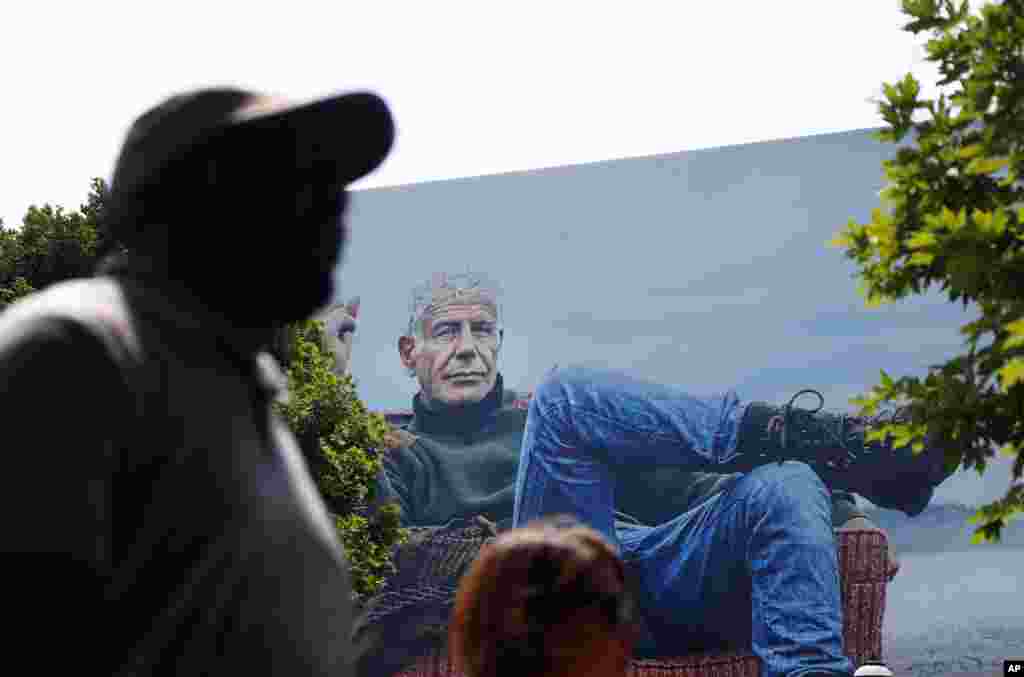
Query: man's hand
{"x":396,"y":438}
{"x":864,"y":524}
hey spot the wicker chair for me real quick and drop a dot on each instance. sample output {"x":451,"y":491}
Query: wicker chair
{"x":863,"y":560}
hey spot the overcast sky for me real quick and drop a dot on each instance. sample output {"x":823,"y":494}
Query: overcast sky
{"x":706,"y":269}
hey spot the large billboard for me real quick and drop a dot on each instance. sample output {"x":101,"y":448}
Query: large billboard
{"x":707,"y":270}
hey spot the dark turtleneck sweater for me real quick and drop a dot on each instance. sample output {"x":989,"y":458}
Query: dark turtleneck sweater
{"x":461,"y":461}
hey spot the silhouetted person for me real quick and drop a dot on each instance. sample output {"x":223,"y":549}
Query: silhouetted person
{"x":159,"y":517}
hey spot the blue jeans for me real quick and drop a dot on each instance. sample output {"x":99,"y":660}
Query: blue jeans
{"x":753,"y":566}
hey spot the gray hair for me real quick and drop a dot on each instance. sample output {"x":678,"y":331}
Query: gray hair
{"x":444,"y":288}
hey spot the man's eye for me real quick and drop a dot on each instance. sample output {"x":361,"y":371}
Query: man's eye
{"x":346,"y":328}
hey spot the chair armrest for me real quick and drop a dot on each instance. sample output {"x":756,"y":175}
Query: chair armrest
{"x":863,"y":576}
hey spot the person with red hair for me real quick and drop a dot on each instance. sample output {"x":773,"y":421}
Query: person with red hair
{"x":546,"y":600}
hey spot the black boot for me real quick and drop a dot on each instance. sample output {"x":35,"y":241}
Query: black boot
{"x":834,"y":445}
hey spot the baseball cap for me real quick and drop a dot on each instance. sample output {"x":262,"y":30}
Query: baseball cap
{"x":354,"y":131}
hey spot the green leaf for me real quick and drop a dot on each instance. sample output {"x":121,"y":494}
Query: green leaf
{"x":1000,"y":220}
{"x":887,"y":381}
{"x":875,"y":435}
{"x":1013,"y":342}
{"x":1016,"y":338}
{"x":971,"y":151}
{"x":876,"y":300}
{"x":953,"y":220}
{"x":902,"y":436}
{"x":922,"y":240}
{"x":982,"y":219}
{"x":841,"y":240}
{"x":1016,"y":327}
{"x":1011,"y":373}
{"x":922,"y":258}
{"x":985,"y":165}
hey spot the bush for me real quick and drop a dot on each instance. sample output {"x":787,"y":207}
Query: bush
{"x":342,"y":442}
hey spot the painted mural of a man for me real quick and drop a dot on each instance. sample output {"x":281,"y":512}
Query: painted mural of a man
{"x":728,"y":548}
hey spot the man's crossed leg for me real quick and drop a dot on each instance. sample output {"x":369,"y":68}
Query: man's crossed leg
{"x":753,"y":565}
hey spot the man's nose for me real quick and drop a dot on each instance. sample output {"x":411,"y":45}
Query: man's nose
{"x":466,"y":344}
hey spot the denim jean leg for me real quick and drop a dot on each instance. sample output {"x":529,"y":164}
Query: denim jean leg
{"x":693,"y":580}
{"x":763,"y":549}
{"x":585,"y":425}
{"x":753,"y":567}
{"x":797,"y":606}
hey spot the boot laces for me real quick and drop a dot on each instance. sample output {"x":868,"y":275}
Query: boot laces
{"x":835,"y":446}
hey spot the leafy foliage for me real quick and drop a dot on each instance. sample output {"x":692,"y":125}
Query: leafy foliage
{"x":952,"y":215}
{"x":52,"y":245}
{"x":342,"y":441}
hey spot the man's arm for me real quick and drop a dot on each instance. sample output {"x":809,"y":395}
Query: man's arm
{"x":385,"y":493}
{"x":392,"y":485}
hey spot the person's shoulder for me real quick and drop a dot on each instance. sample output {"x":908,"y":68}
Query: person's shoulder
{"x":92,"y":304}
{"x":72,"y":333}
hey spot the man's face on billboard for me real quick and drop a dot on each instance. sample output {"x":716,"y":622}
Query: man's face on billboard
{"x":455,"y":356}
